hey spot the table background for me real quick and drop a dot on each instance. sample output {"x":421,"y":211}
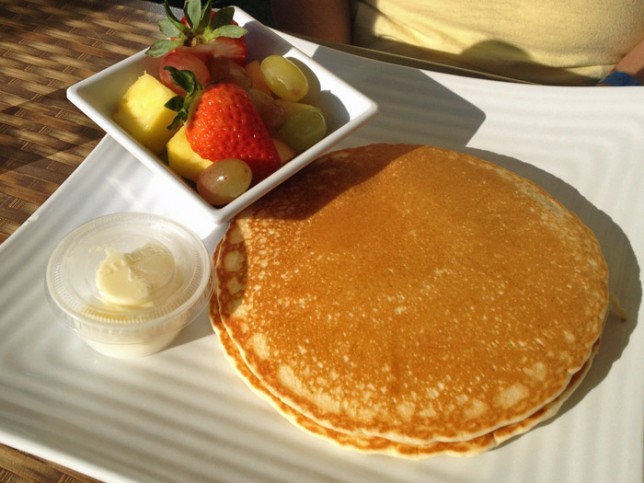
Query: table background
{"x":44,"y":48}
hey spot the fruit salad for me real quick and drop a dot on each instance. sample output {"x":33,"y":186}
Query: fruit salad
{"x":222,"y":121}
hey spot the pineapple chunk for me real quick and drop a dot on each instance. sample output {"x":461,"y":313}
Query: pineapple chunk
{"x":257,"y":78}
{"x":284,"y":151}
{"x":142,"y":112}
{"x":182,"y":159}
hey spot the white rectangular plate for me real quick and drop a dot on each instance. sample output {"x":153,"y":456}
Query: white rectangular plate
{"x":183,"y":415}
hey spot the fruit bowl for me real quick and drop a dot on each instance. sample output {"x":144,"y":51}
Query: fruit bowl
{"x":344,"y":107}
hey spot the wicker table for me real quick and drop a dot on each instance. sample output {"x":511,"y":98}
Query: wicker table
{"x":45,"y":47}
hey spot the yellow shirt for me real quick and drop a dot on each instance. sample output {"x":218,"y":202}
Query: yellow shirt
{"x":568,"y":42}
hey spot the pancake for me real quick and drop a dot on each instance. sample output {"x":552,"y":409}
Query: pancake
{"x":383,"y":445}
{"x":413,"y":295}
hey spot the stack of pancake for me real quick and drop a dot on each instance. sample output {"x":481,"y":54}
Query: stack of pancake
{"x":410,"y":300}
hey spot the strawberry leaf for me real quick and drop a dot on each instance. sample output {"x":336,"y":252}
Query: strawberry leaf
{"x":222,"y":25}
{"x":170,"y":16}
{"x":185,"y":79}
{"x":192,"y":9}
{"x":162,"y":47}
{"x":183,"y":105}
{"x":170,"y":28}
{"x":224,"y":16}
{"x":230,"y":31}
{"x":205,"y":17}
{"x":201,"y":26}
{"x":175,"y":104}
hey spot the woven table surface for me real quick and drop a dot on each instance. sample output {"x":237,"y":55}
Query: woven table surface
{"x":45,"y":47}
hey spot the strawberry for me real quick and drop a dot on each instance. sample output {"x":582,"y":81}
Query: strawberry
{"x":233,"y":48}
{"x":222,"y":122}
{"x":206,"y":33}
{"x":226,"y":47}
{"x":182,"y":61}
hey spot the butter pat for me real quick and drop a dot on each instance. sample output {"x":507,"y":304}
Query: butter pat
{"x":128,"y":283}
{"x":137,"y":278}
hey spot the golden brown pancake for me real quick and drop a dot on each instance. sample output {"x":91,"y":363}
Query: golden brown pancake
{"x":411,"y":294}
{"x":368,"y":444}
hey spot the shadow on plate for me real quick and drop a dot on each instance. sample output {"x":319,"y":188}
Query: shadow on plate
{"x":436,"y":116}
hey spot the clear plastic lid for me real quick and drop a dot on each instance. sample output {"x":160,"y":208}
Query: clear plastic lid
{"x":181,"y":294}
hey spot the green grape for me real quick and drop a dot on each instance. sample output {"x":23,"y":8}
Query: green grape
{"x":284,"y":78}
{"x":223,"y":181}
{"x":303,"y":129}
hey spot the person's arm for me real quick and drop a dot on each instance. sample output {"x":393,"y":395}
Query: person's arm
{"x":326,"y":20}
{"x":631,"y":64}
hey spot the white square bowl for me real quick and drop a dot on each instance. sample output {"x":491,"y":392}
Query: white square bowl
{"x":344,"y":107}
